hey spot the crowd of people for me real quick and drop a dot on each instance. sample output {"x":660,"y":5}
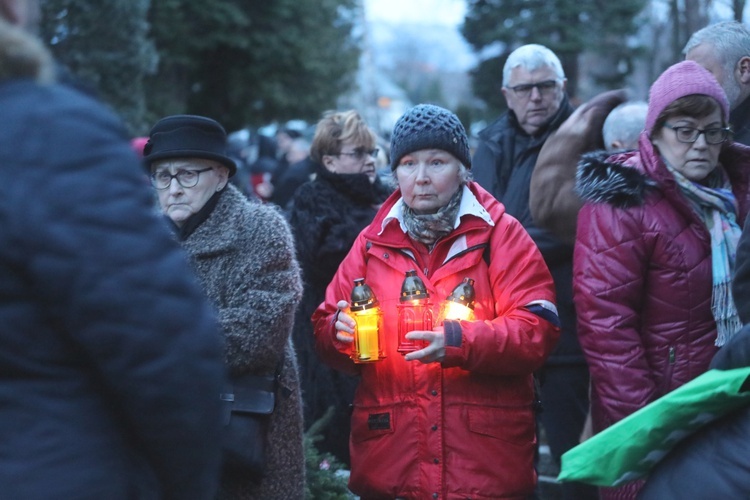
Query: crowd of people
{"x":598,"y":252}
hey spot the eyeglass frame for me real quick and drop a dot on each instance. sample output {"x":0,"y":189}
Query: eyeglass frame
{"x":726,"y":130}
{"x":175,"y":176}
{"x":360,"y":155}
{"x":544,"y":88}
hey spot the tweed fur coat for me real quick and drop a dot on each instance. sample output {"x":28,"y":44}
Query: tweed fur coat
{"x":243,"y":254}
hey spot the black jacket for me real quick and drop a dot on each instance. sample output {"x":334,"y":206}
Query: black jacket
{"x":740,"y":120}
{"x":326,"y":216}
{"x":713,"y":462}
{"x":502,"y":164}
{"x":110,"y":358}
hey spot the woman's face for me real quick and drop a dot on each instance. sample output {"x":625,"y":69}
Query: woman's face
{"x":428,"y":178}
{"x":693,"y":160}
{"x":352,"y":159}
{"x":178,"y":202}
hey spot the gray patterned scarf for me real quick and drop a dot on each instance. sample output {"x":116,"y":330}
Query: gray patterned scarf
{"x":429,"y":228}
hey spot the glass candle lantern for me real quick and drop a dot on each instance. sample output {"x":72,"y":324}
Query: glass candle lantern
{"x":414,"y":312}
{"x":365,"y":310}
{"x":460,"y":303}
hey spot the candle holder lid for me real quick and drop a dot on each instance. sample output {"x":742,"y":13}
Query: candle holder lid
{"x":464,"y":293}
{"x":362,"y":296}
{"x":413,"y":288}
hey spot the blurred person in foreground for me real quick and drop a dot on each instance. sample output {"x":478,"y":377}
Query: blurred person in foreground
{"x":454,"y":419}
{"x":110,"y":361}
{"x":243,"y":254}
{"x":655,"y":249}
{"x":533,"y":84}
{"x":724,"y":50}
{"x":326,"y":216}
{"x":712,"y":462}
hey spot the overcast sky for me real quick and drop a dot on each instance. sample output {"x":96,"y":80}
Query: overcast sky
{"x":444,"y":46}
{"x":450,"y":12}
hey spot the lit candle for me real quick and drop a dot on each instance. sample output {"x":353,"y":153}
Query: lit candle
{"x":367,"y":315}
{"x":460,"y":303}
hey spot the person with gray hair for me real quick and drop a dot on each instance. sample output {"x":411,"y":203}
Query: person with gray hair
{"x":534,"y":89}
{"x":724,"y":50}
{"x":624,"y":125}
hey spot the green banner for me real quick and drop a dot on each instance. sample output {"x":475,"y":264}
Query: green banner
{"x":630,"y":448}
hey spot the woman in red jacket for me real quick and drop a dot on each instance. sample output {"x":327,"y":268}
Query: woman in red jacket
{"x":454,"y":419}
{"x":655,"y":249}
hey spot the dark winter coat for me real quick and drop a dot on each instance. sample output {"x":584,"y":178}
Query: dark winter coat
{"x":243,"y":254}
{"x":506,"y":152}
{"x":296,"y":175}
{"x":741,"y":281}
{"x":712,"y":463}
{"x":643,"y":279}
{"x":740,"y":120}
{"x":110,"y":360}
{"x":462,"y":428}
{"x":327,"y":215}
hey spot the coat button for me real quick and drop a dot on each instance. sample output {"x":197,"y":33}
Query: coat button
{"x":435,"y":495}
{"x":385,"y":255}
{"x":437,"y":461}
{"x":434,"y":392}
{"x":434,"y":427}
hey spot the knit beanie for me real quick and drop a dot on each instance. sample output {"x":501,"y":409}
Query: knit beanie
{"x":680,"y":80}
{"x":429,"y":127}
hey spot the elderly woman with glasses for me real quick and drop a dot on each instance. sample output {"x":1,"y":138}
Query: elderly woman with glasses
{"x":243,"y":255}
{"x":326,"y":216}
{"x":655,"y":249}
{"x":447,"y":411}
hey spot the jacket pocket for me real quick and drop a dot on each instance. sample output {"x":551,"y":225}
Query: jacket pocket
{"x":371,"y":423}
{"x":511,"y":424}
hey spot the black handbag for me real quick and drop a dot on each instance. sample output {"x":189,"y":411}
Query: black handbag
{"x":248,"y":409}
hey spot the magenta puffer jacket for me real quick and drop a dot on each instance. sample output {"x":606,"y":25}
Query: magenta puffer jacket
{"x":463,"y":428}
{"x":642,"y":278}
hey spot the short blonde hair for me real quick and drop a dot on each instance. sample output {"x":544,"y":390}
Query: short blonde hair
{"x":335,"y":128}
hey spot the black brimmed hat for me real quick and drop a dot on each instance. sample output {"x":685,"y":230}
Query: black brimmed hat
{"x":188,"y":136}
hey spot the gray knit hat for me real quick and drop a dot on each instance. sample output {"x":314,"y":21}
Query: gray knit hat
{"x":429,"y":127}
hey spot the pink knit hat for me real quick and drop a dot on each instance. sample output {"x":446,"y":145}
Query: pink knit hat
{"x":680,"y":80}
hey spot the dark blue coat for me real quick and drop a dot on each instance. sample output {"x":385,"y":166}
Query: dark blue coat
{"x":110,"y":360}
{"x":713,"y":462}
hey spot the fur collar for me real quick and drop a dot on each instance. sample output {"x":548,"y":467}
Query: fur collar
{"x":23,"y":56}
{"x":604,"y":178}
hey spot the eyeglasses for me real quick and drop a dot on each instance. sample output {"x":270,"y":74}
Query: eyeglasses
{"x":186,"y":178}
{"x":545,"y":88}
{"x":360,"y":154}
{"x":689,"y":135}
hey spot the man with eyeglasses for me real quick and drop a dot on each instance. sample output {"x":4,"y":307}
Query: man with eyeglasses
{"x":534,"y":89}
{"x":724,"y":50}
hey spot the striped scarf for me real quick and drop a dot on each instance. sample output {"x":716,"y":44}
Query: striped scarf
{"x":717,"y":206}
